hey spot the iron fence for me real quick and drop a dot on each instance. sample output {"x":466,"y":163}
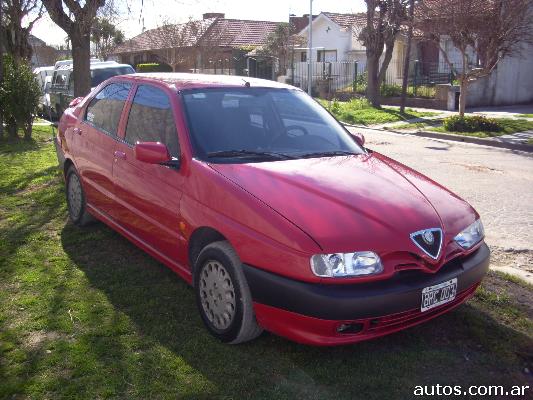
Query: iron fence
{"x":334,"y":79}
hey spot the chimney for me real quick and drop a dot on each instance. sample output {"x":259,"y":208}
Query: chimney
{"x":213,"y":15}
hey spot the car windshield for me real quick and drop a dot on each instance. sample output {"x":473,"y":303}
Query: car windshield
{"x":101,"y":74}
{"x":262,"y":124}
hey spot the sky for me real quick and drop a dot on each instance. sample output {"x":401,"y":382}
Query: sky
{"x":155,"y":11}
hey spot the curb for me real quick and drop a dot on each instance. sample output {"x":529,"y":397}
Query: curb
{"x":456,"y":138}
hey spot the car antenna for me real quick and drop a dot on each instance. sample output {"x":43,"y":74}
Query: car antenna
{"x":246,"y":83}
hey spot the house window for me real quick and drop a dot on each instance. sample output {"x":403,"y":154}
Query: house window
{"x":326,"y":56}
{"x":303,"y":57}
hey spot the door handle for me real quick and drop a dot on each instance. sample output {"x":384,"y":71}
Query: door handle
{"x":120,"y":154}
{"x":77,"y":131}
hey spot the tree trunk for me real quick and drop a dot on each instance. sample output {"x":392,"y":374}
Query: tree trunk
{"x":463,"y":84}
{"x":462,"y":97}
{"x":12,"y":129}
{"x":407,"y":59}
{"x":28,"y":127}
{"x":81,"y":56}
{"x":386,"y":61}
{"x":372,"y":88}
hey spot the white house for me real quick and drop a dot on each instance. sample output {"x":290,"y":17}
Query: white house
{"x":335,"y":42}
{"x":511,"y":82}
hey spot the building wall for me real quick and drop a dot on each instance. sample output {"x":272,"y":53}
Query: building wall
{"x":510,"y":83}
{"x":330,"y":36}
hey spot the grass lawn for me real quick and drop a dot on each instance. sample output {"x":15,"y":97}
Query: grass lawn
{"x":509,"y":126}
{"x":84,"y":314}
{"x":360,"y":112}
{"x":525,"y":115}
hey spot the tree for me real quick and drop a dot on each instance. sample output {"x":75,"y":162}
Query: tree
{"x":18,"y":18}
{"x":483,"y":32}
{"x":19,"y":96}
{"x":384,"y":19}
{"x":77,"y":23}
{"x":280,"y":45}
{"x":405,"y":77}
{"x":105,"y":36}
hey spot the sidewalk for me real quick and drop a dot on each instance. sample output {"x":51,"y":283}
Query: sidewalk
{"x":516,"y":141}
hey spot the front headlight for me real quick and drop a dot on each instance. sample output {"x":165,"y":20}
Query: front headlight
{"x":346,"y":264}
{"x":471,"y":235}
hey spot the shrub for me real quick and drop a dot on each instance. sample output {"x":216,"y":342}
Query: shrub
{"x":19,"y":97}
{"x":391,"y":90}
{"x":153,"y":67}
{"x":475,"y":123}
{"x":358,"y":104}
{"x":335,"y":107}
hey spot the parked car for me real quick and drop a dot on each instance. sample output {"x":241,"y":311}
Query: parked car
{"x":44,"y":99}
{"x":62,"y":89}
{"x":277,"y":216}
{"x":41,"y":73}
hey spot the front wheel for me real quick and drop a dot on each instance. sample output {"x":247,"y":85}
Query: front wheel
{"x":223,"y":296}
{"x":77,"y":209}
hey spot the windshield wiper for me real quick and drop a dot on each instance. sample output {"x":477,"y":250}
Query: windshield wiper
{"x":332,"y":153}
{"x":248,"y":153}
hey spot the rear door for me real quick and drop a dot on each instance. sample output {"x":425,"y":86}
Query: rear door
{"x":148,"y":195}
{"x":94,"y":141}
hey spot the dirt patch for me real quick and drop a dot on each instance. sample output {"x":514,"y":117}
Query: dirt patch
{"x":38,"y":339}
{"x":521,"y":259}
{"x":32,"y":188}
{"x":479,"y":168}
{"x":520,"y":295}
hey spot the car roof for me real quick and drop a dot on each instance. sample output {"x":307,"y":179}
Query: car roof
{"x":107,"y":65}
{"x":94,"y":66}
{"x":183,"y":81}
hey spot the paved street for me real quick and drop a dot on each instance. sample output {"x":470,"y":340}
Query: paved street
{"x":497,"y":182}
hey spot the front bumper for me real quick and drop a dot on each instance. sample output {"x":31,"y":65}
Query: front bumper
{"x":311,"y":313}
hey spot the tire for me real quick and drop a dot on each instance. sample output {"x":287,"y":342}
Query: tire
{"x":76,"y":203}
{"x":218,"y":272}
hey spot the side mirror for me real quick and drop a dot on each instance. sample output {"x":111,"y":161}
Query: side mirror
{"x":359,"y":138}
{"x":75,"y":102}
{"x":151,"y":152}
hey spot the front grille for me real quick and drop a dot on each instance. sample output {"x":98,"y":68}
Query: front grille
{"x":394,"y":322}
{"x":413,"y":317}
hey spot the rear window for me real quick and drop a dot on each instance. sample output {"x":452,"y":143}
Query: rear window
{"x":101,"y":74}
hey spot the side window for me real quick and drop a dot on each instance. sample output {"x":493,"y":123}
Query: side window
{"x":60,"y":78}
{"x":104,"y":110}
{"x":151,"y":119}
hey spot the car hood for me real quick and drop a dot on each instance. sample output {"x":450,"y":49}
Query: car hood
{"x":362,"y":202}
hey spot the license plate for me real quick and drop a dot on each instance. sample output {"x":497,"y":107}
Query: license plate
{"x":434,"y":296}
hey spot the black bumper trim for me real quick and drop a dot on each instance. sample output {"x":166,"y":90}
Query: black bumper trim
{"x":363,"y":300}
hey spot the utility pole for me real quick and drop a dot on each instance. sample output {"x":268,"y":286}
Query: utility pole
{"x":407,"y":57}
{"x":310,"y":53}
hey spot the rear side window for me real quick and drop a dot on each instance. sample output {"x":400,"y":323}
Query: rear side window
{"x":104,"y":110}
{"x":101,"y":74}
{"x":151,"y":119}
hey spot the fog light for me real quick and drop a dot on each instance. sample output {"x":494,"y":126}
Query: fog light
{"x":350,"y":328}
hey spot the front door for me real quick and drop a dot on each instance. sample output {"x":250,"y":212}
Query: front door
{"x":94,"y":140}
{"x":148,"y":195}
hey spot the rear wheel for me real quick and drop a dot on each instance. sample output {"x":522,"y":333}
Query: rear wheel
{"x":223,"y":296}
{"x":77,"y":209}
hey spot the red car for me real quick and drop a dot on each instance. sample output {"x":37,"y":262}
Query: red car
{"x":277,"y":216}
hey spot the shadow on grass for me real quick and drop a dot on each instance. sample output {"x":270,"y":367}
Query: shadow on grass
{"x":40,"y":135}
{"x":466,"y":346}
{"x":17,"y":145}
